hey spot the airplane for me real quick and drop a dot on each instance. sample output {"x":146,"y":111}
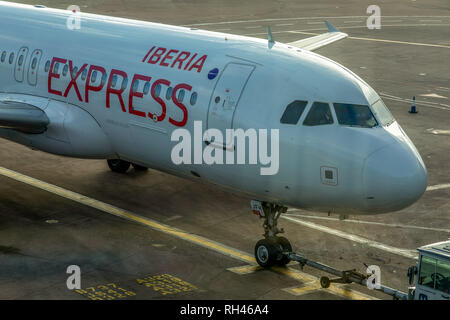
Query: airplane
{"x":117,"y":89}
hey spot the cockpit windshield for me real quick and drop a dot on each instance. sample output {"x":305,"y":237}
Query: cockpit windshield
{"x":354,"y":115}
{"x":382,"y":113}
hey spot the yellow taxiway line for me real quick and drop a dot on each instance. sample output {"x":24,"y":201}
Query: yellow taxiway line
{"x":193,"y":238}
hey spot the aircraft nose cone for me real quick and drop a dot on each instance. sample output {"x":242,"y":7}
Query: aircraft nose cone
{"x":394,"y":178}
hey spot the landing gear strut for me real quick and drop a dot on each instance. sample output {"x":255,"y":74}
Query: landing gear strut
{"x":272,"y":250}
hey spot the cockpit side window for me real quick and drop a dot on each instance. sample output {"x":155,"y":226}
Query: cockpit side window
{"x":382,"y":113}
{"x":319,"y":114}
{"x":354,"y":115}
{"x":293,"y":112}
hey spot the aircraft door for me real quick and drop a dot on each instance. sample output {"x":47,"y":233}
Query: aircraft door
{"x":20,"y":64}
{"x":225,"y":97}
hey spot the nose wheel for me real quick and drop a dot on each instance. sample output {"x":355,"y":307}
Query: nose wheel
{"x":117,"y":165}
{"x":122,"y":166}
{"x":272,"y":250}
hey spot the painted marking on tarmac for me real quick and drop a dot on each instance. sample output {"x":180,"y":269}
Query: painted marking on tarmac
{"x":308,"y":279}
{"x":178,"y":233}
{"x":304,"y":289}
{"x":438,"y":132}
{"x":393,"y":225}
{"x":362,"y":38}
{"x":314,"y":287}
{"x":166,"y":284}
{"x":438,"y":186}
{"x":401,"y":42}
{"x":339,"y":27}
{"x":247,"y":269}
{"x":309,"y":284}
{"x":284,"y":24}
{"x":427,"y":104}
{"x":432,"y":95}
{"x":372,"y":39}
{"x":102,"y":206}
{"x":300,"y":18}
{"x":108,"y":291}
{"x":398,"y":251}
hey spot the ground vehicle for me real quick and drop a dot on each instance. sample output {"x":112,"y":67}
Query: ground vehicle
{"x":432,"y":268}
{"x":433,"y":273}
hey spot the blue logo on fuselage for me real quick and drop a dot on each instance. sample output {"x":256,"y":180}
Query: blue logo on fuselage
{"x":213,"y":73}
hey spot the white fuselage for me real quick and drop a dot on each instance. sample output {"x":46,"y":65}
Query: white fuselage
{"x":375,"y":169}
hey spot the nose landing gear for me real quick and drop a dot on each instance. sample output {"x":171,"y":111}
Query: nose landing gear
{"x":122,"y":166}
{"x":272,"y":250}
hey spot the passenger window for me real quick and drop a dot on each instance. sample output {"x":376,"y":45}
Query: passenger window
{"x":3,"y":56}
{"x":146,"y":87}
{"x":74,"y":72}
{"x":135,"y":85}
{"x":65,"y":70}
{"x":293,"y":112}
{"x":193,"y":98}
{"x":94,"y":76}
{"x":20,"y":60}
{"x":157,"y":90}
{"x":124,"y":83}
{"x":84,"y":74}
{"x":354,"y":115}
{"x":319,"y":114}
{"x":47,"y":66}
{"x":180,"y":96}
{"x":169,"y":93}
{"x":114,"y":81}
{"x":34,"y":63}
{"x":11,"y":58}
{"x":104,"y":77}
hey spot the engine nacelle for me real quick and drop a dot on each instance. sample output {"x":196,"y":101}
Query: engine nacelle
{"x":71,"y":132}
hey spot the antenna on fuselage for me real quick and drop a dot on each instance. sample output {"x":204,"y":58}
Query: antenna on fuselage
{"x":271,"y":42}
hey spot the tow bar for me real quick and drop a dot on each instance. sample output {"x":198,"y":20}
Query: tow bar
{"x":348,"y":276}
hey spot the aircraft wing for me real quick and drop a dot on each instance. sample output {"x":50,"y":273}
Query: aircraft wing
{"x":321,"y":40}
{"x":22,"y":116}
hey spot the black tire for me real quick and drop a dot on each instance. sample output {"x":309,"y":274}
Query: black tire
{"x":267,"y":252}
{"x":324,"y":282}
{"x":285,"y":247}
{"x":117,"y":165}
{"x":139,"y":168}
